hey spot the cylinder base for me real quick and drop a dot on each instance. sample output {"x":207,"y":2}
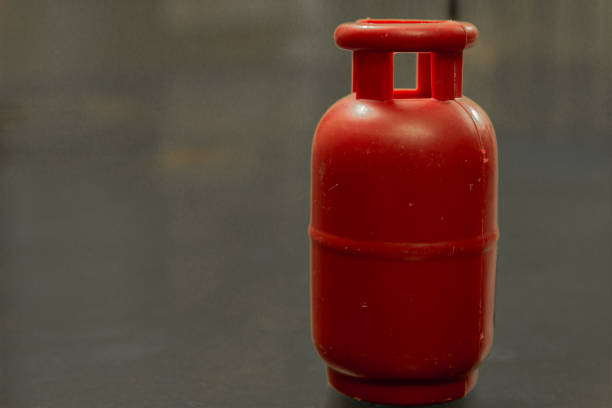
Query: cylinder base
{"x":401,"y":393}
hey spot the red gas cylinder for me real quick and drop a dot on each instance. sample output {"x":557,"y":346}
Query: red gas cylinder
{"x":404,"y":220}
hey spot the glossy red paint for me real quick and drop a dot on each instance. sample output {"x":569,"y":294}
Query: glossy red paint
{"x":404,"y":221}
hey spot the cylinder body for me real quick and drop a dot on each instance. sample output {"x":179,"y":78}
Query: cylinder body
{"x":403,"y":246}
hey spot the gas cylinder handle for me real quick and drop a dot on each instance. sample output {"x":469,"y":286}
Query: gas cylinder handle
{"x":440,"y":45}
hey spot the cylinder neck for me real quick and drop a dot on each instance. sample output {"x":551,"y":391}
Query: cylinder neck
{"x":439,"y":75}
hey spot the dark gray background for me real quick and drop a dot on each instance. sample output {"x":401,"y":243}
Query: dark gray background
{"x":154,"y":198}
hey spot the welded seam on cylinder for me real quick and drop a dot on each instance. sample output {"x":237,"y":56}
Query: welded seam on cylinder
{"x":481,"y":144}
{"x":405,"y":250}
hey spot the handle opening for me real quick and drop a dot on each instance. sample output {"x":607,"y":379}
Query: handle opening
{"x":423,"y":80}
